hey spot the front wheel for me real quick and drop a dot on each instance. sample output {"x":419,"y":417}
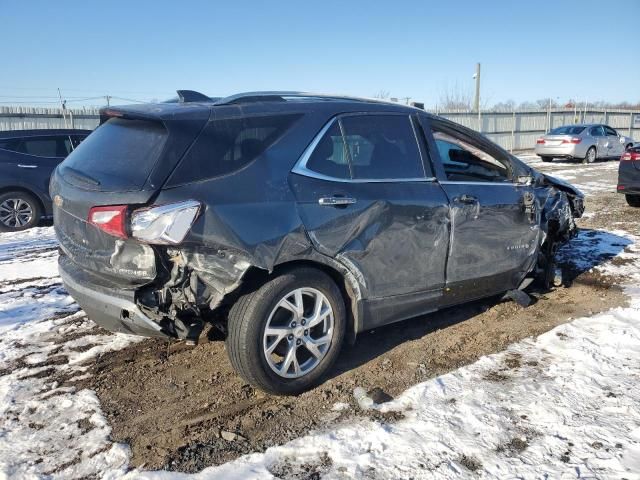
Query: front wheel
{"x":590,"y":157}
{"x":628,"y":146}
{"x":284,"y":336}
{"x":633,"y":200}
{"x":18,"y":211}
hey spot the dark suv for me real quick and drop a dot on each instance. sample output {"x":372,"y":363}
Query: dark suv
{"x":293,"y":222}
{"x":27,"y":159}
{"x":629,"y":175}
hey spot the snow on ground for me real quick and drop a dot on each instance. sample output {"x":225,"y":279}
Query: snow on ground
{"x":47,"y":430}
{"x":563,"y":405}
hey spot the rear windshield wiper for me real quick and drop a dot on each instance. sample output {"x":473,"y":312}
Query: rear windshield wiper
{"x":83,"y":177}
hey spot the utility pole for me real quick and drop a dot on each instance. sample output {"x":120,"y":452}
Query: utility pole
{"x":476,"y":100}
{"x":63,"y":104}
{"x":108,"y":97}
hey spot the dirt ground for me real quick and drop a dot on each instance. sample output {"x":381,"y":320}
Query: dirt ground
{"x":183,"y":408}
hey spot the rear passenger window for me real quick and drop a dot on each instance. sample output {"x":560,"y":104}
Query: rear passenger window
{"x":330,"y":156}
{"x":382,"y":147}
{"x":368,"y":147}
{"x":596,"y":132}
{"x":11,"y":144}
{"x":225,"y":146}
{"x":464,"y":160}
{"x":45,"y":146}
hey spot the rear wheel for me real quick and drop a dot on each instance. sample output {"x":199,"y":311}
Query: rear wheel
{"x":590,"y":157}
{"x":633,"y":200}
{"x":18,"y":211}
{"x":547,"y":159}
{"x":286,"y":335}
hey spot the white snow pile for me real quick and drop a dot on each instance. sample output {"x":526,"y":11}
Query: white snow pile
{"x":563,"y":405}
{"x":47,"y":430}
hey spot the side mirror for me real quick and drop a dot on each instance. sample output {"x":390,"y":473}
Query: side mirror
{"x":524,"y":180}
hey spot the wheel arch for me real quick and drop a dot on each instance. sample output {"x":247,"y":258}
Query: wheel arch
{"x":254,"y":277}
{"x":34,"y":194}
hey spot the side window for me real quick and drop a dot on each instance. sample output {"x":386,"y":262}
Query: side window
{"x":610,"y":131}
{"x":464,"y":160}
{"x":382,"y":147}
{"x":227,"y":145}
{"x":64,"y":145}
{"x":330,"y":156}
{"x":77,"y":140}
{"x":42,"y":147}
{"x":596,"y":132}
{"x":11,"y":144}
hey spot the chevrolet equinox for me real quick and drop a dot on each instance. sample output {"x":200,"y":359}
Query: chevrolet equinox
{"x":292,"y":222}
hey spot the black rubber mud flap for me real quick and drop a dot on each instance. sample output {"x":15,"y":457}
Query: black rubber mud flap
{"x":520,"y":297}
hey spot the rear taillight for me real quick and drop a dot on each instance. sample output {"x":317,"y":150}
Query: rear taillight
{"x":540,"y":141}
{"x":111,"y":219}
{"x":630,"y":156}
{"x":574,"y":140}
{"x":165,"y":224}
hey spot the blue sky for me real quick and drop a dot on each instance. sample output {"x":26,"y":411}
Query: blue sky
{"x":587,"y":50}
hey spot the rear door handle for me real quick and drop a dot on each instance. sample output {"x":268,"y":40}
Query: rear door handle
{"x":336,"y":201}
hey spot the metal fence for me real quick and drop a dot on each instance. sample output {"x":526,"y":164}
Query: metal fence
{"x":519,"y":130}
{"x":511,"y":130}
{"x":26,"y":118}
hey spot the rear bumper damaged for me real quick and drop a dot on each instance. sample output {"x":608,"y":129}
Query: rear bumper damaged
{"x":190,"y":285}
{"x":111,"y":307}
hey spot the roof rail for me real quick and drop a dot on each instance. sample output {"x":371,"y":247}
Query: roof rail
{"x":276,"y":96}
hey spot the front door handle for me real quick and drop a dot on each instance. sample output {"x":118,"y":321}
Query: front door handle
{"x":467,"y":199}
{"x":336,"y":201}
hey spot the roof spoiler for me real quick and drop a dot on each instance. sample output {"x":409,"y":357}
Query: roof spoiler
{"x":189,"y":96}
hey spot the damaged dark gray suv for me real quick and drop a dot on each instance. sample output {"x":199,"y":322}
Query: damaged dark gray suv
{"x":293,"y":222}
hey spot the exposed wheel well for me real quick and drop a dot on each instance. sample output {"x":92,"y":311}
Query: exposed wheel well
{"x":25,"y":190}
{"x":255,"y":277}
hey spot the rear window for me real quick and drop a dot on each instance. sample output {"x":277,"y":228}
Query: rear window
{"x":119,"y":154}
{"x":225,"y":146}
{"x":569,"y":130}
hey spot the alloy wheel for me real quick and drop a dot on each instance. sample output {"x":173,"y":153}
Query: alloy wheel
{"x":15,"y":213}
{"x":298,"y":332}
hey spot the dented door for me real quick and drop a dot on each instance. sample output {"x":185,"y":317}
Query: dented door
{"x":395,"y":235}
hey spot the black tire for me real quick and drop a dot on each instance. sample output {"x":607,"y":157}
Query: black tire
{"x":633,"y":200}
{"x":588,"y":158}
{"x":248,"y":319}
{"x":628,"y":146}
{"x":27,"y":205}
{"x":547,"y":159}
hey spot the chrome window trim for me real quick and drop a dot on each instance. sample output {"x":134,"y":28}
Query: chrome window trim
{"x":300,"y":167}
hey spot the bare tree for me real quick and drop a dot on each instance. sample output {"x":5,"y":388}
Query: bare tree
{"x":456,"y":98}
{"x":508,"y":106}
{"x":382,"y":94}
